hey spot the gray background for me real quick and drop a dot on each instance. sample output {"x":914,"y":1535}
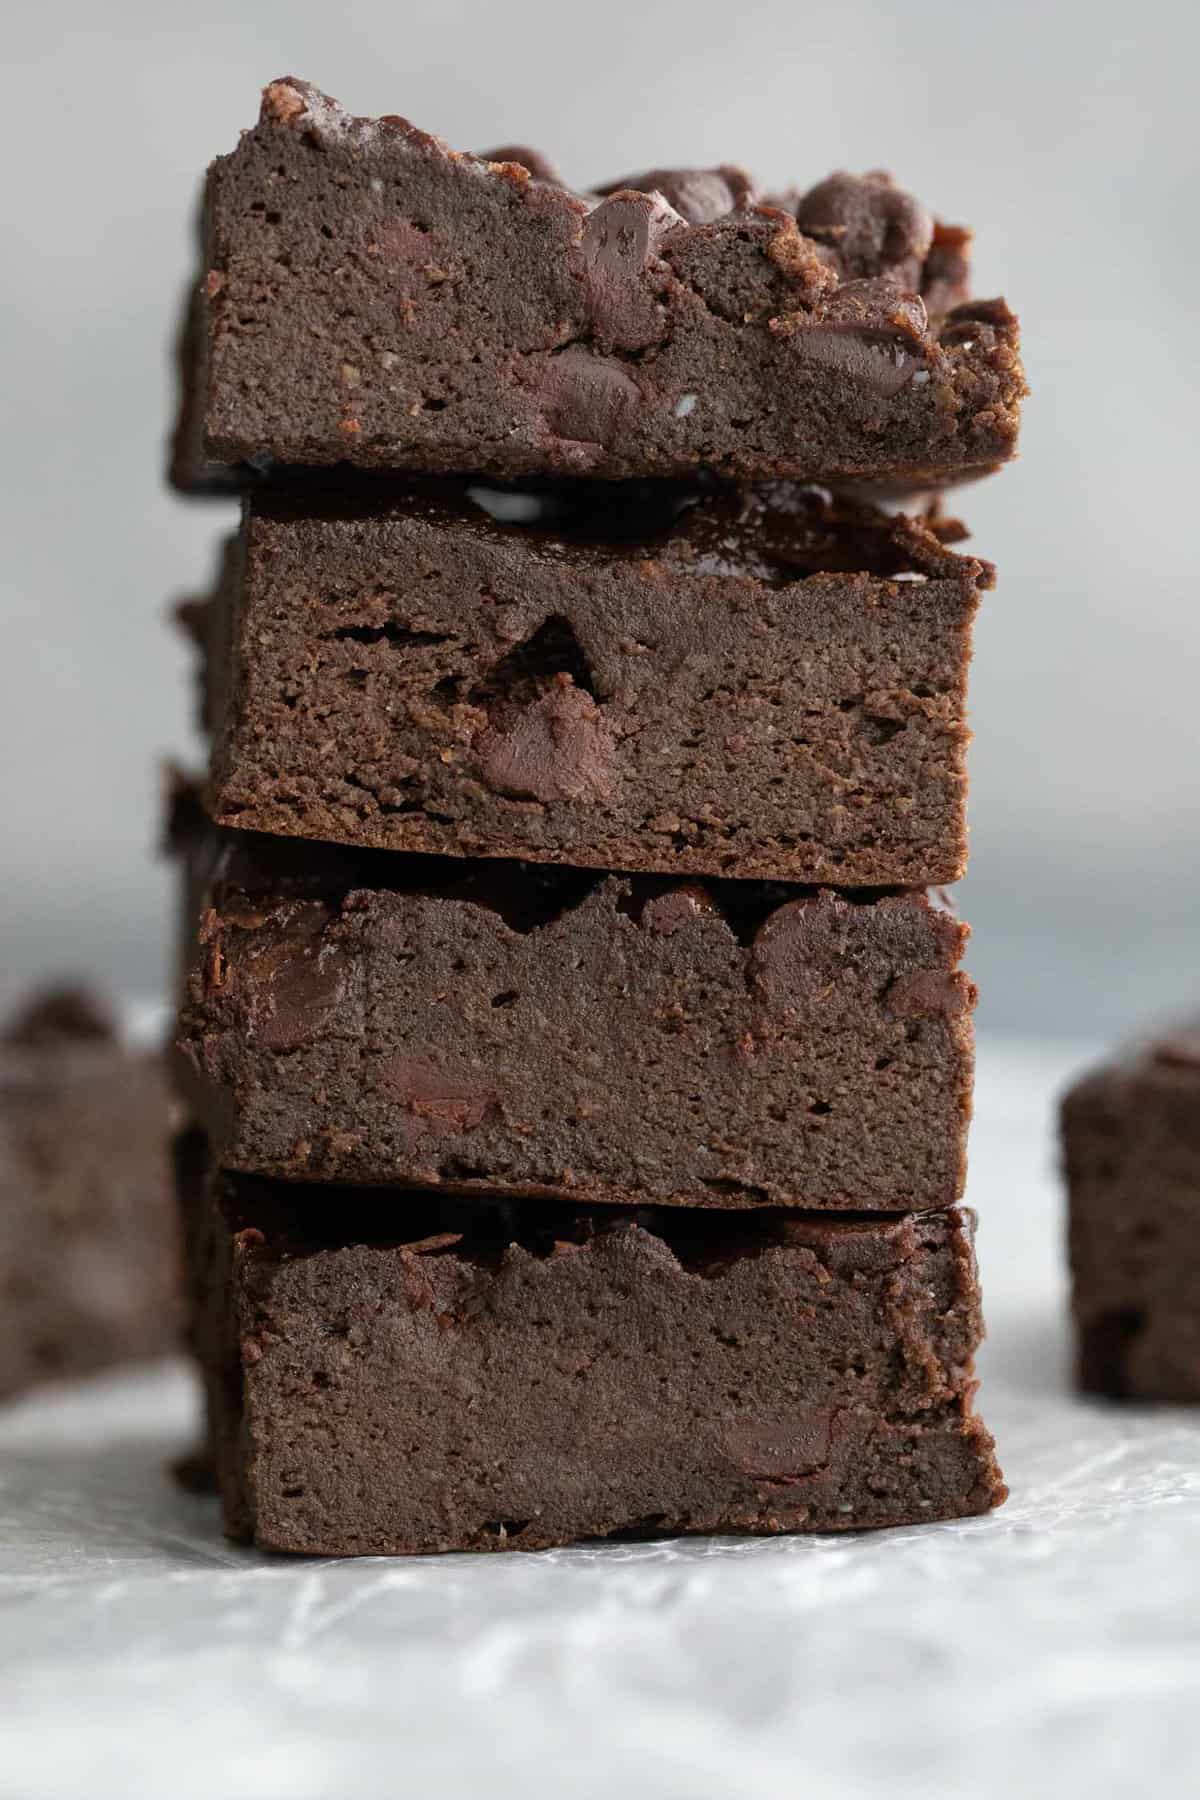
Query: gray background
{"x":1066,"y":134}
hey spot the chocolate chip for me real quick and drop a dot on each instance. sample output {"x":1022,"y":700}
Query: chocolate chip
{"x":874,"y":227}
{"x":620,"y":241}
{"x":881,"y":363}
{"x":585,"y":398}
{"x":871,"y":332}
{"x":878,"y":305}
{"x":309,"y":994}
{"x":780,"y":1449}
{"x":558,"y":748}
{"x":697,"y":195}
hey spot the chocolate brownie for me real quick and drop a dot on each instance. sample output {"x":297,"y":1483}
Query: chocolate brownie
{"x":765,"y":684}
{"x":512,"y":1377}
{"x":369,"y":296}
{"x":429,"y":1022}
{"x":1131,"y":1143}
{"x":88,"y":1240}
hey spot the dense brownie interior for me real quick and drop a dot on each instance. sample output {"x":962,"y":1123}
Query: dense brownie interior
{"x":369,"y":296}
{"x":766,"y":684}
{"x":523,"y":1376}
{"x":372,"y":1017}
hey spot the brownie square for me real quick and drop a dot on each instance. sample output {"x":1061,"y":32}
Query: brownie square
{"x":514,"y":1377}
{"x":89,"y":1255}
{"x":1131,"y":1149}
{"x":369,"y":296}
{"x":760,"y":684}
{"x":422,"y":1022}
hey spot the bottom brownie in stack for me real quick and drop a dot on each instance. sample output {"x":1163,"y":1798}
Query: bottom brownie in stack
{"x":517,"y":1375}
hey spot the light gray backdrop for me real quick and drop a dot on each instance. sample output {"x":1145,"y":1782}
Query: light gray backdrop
{"x":1066,"y":134}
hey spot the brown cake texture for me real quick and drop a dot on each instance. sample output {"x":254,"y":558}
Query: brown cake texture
{"x":1131,"y":1149}
{"x":369,"y":296}
{"x":514,"y":1377}
{"x":764,"y":683}
{"x":89,"y":1255}
{"x":429,"y":1022}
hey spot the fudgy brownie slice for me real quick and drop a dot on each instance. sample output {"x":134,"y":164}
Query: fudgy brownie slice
{"x":427,"y":1022}
{"x":89,"y":1262}
{"x":507,"y":1378}
{"x":1131,"y":1144}
{"x":765,"y":684}
{"x":369,"y":296}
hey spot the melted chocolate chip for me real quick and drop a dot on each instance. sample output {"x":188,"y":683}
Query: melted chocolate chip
{"x":790,"y":956}
{"x":309,"y":991}
{"x":585,"y":398}
{"x":435,"y":1099}
{"x":881,"y":362}
{"x":558,"y":748}
{"x":781,"y":1449}
{"x":927,"y":993}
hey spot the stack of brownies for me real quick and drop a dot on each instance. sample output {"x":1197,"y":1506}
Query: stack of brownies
{"x":581,"y":1071}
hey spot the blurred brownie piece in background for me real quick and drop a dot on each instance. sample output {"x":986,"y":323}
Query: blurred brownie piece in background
{"x":89,"y":1251}
{"x":1131,"y":1147}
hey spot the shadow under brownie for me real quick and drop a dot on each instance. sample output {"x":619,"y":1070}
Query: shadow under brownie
{"x":367,"y":295}
{"x":765,"y":684}
{"x":514,"y":1377}
{"x":427,"y":1022}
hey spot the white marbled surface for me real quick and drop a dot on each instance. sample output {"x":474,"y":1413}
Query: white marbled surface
{"x":1050,"y":1649}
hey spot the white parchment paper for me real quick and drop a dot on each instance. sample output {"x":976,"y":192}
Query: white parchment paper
{"x":1050,"y":1649}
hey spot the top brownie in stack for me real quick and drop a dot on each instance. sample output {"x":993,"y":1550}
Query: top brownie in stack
{"x":369,"y":296}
